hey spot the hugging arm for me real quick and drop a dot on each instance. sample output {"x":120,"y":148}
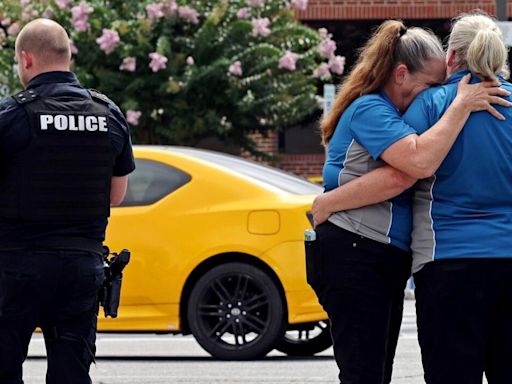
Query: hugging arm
{"x":378,"y":185}
{"x":413,"y":156}
{"x":419,"y":156}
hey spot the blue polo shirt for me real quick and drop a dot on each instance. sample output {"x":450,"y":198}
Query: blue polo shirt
{"x":465,"y":209}
{"x":366,"y":128}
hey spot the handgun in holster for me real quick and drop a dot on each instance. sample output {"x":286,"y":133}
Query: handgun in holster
{"x":111,"y":291}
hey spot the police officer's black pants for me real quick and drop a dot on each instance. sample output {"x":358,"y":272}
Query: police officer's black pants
{"x":464,"y":313}
{"x":56,"y":291}
{"x":360,"y":283}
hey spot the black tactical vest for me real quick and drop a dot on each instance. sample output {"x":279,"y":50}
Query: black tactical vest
{"x":64,"y":175}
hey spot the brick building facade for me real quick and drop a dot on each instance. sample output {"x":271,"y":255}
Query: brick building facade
{"x":351,"y":23}
{"x":389,"y":9}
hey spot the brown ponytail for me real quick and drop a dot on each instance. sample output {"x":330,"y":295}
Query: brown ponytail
{"x":371,"y":71}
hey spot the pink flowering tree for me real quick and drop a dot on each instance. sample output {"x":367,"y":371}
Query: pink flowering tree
{"x":186,"y":70}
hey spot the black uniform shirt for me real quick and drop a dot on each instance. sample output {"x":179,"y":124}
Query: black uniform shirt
{"x":15,"y":136}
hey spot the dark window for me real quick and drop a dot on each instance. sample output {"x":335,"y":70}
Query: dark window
{"x":151,"y":181}
{"x":304,"y":138}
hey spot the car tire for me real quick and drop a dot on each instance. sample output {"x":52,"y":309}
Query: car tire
{"x":236,"y":312}
{"x":306,"y":339}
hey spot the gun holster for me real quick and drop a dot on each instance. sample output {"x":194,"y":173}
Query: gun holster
{"x":110,"y":293}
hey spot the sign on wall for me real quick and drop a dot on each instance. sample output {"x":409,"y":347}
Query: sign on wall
{"x":329,"y":92}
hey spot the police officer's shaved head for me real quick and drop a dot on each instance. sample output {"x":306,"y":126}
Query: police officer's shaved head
{"x":42,"y":46}
{"x":46,"y":40}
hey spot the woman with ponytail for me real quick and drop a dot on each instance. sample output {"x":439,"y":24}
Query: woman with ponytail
{"x":361,"y":259}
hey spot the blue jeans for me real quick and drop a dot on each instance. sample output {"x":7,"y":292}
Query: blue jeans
{"x":56,"y":291}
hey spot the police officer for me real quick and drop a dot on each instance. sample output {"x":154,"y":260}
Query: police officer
{"x":65,"y":154}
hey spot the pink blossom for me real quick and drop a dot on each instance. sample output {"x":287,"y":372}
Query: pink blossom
{"x":24,"y":3}
{"x":190,"y":60}
{"x":322,"y":71}
{"x":300,"y":5}
{"x":63,"y":4}
{"x":13,"y":29}
{"x":189,"y":14}
{"x":133,"y":117}
{"x":260,"y":27}
{"x":170,"y":7}
{"x":81,"y":25}
{"x":255,"y":3}
{"x":108,"y":41}
{"x":158,"y":61}
{"x":288,"y":61}
{"x":28,"y":13}
{"x":155,"y":11}
{"x":6,"y":22}
{"x":235,"y":69}
{"x":80,"y":16}
{"x":129,"y":64}
{"x":327,"y":48}
{"x":72,"y":47}
{"x":48,"y":13}
{"x":324,"y":34}
{"x":337,"y":65}
{"x":243,"y":13}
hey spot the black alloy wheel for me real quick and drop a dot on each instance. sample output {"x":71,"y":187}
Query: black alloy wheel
{"x":306,"y":339}
{"x":236,"y":312}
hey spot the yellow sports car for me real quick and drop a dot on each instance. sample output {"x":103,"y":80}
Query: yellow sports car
{"x":217,"y":251}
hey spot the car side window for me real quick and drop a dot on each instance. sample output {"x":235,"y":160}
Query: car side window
{"x":151,"y":181}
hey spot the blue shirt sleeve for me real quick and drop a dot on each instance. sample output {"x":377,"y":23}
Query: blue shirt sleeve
{"x":419,"y":115}
{"x":376,"y":125}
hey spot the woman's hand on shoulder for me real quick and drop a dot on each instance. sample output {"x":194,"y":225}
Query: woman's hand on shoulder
{"x":480,"y":96}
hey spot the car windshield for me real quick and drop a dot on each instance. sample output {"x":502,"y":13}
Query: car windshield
{"x":272,"y":176}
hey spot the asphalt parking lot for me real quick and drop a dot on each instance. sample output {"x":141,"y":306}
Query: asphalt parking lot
{"x":158,"y":359}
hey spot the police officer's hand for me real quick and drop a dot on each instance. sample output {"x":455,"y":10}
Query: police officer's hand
{"x":320,"y":210}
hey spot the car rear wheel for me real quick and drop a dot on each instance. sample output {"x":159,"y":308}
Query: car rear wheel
{"x":236,"y":312}
{"x":306,"y":339}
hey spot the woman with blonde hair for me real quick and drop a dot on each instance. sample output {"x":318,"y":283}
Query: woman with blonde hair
{"x":360,"y":260}
{"x":462,"y":234}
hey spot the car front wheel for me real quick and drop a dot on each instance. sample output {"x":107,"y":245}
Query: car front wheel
{"x":236,"y":312}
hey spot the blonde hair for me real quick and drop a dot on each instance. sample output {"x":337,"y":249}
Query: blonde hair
{"x":391,"y":44}
{"x":478,"y":44}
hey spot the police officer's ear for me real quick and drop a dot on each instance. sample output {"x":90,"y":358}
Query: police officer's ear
{"x":26,"y":59}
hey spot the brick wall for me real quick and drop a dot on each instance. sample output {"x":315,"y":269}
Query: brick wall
{"x":305,"y":165}
{"x":385,"y":9}
{"x":268,"y":144}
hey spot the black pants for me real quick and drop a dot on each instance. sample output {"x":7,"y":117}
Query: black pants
{"x":56,"y":291}
{"x":360,"y":283}
{"x":464,"y":312}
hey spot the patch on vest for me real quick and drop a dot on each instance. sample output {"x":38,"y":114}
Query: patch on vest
{"x":72,"y":123}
